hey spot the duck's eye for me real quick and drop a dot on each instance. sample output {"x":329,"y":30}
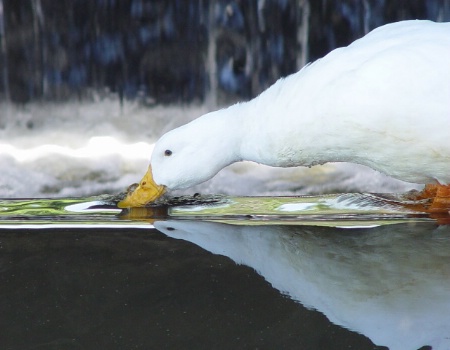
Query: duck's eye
{"x":167,"y":152}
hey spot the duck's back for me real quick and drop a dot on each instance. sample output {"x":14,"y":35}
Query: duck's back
{"x":400,"y":67}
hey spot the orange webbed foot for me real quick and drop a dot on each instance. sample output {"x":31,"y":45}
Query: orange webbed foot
{"x":436,"y":197}
{"x":441,"y":200}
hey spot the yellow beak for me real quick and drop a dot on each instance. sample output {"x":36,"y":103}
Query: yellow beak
{"x":147,"y":191}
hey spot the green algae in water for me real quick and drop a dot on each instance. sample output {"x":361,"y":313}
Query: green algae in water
{"x":43,"y":207}
{"x":326,"y":210}
{"x":353,"y":203}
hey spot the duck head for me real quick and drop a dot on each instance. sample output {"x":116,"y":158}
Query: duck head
{"x":187,"y":156}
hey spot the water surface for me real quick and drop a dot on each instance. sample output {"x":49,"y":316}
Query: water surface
{"x":332,"y":272}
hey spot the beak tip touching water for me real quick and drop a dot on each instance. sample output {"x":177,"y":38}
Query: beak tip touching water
{"x":147,"y":191}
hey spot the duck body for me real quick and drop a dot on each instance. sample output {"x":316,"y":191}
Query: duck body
{"x":383,"y":101}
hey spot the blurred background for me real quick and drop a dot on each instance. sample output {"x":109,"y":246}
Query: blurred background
{"x":87,"y":86}
{"x":177,"y":51}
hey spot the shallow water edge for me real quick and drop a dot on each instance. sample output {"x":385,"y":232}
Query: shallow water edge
{"x":351,"y":209}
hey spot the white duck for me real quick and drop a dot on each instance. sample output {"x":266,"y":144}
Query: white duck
{"x":383,"y":101}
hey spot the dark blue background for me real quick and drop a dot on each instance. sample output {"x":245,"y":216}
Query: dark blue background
{"x":157,"y":51}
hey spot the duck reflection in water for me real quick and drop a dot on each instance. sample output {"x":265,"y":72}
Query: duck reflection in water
{"x":390,"y":283}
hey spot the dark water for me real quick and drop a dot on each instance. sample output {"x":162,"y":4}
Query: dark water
{"x":138,"y":289}
{"x":118,"y":281}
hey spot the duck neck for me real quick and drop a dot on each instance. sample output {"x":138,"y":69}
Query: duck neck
{"x":282,"y":129}
{"x":226,"y":132}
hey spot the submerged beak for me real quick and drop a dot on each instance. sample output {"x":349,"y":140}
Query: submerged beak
{"x":147,"y":191}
